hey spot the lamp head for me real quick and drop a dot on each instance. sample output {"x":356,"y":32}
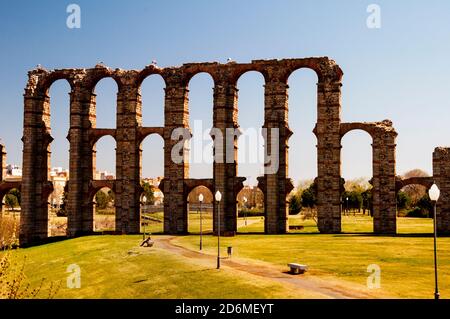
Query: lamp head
{"x":200,"y":198}
{"x":244,"y":199}
{"x":434,"y":193}
{"x":218,"y":196}
{"x":144,"y":199}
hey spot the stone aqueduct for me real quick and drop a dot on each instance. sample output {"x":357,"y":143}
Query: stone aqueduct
{"x":176,"y":185}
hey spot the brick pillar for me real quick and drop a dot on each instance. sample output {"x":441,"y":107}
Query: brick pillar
{"x":36,"y":139}
{"x":127,"y":161}
{"x":441,"y":174}
{"x":2,"y":163}
{"x":176,"y":116}
{"x":82,"y":118}
{"x":225,"y":165}
{"x":275,"y":174}
{"x":384,"y":191}
{"x":328,"y":156}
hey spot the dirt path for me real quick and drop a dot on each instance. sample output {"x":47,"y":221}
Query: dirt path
{"x":328,"y":289}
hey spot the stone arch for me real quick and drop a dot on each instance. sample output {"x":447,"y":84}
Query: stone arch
{"x":129,"y":135}
{"x":149,"y":70}
{"x":5,"y":188}
{"x":143,"y":108}
{"x":426,"y":182}
{"x":95,"y":134}
{"x":193,"y":205}
{"x":298,"y":117}
{"x":94,"y":152}
{"x":383,"y":170}
{"x":42,"y":79}
{"x":100,"y":72}
{"x":254,"y":195}
{"x":95,"y":187}
{"x":201,"y":111}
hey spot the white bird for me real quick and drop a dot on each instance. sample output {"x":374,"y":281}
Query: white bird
{"x":154,"y":62}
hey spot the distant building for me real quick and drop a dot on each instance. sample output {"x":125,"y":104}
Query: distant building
{"x":157,"y":193}
{"x":104,"y":175}
{"x":13,"y":173}
{"x":59,"y":178}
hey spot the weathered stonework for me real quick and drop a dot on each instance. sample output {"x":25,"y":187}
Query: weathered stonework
{"x":441,"y":173}
{"x":176,"y":185}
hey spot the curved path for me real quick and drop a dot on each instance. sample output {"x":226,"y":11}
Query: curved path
{"x":326,"y":288}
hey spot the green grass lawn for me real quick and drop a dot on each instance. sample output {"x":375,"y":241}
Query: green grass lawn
{"x":406,"y":260}
{"x":115,"y":267}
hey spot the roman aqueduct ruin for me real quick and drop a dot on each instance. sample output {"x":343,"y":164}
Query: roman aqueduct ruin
{"x":176,"y":185}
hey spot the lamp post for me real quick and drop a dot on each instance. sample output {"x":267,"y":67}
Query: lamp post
{"x":347,"y":204}
{"x":434,"y":196}
{"x":218,"y":197}
{"x":200,"y":199}
{"x":245,"y":211}
{"x":144,"y":201}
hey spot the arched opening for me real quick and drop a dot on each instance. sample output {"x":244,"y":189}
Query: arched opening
{"x":201,"y":122}
{"x":104,"y":158}
{"x":10,"y":201}
{"x":251,"y":120}
{"x":152,"y":207}
{"x":250,"y":207}
{"x":356,"y":199}
{"x":104,"y":210}
{"x":58,"y":165}
{"x":105,"y":103}
{"x":414,"y":209}
{"x":152,"y":96}
{"x":200,"y":217}
{"x":302,"y":157}
{"x":152,"y":172}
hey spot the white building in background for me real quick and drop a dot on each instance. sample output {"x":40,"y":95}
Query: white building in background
{"x":13,"y":173}
{"x":103,"y":175}
{"x":157,"y":193}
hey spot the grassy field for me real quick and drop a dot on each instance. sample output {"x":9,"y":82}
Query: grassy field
{"x":406,"y":260}
{"x":116,"y":267}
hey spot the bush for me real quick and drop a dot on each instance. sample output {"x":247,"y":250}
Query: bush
{"x":9,"y":231}
{"x":252,"y":212}
{"x":295,"y":204}
{"x":13,"y":281}
{"x":417,"y":212}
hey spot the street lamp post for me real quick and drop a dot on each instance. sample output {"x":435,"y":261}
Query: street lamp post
{"x":218,"y":197}
{"x":200,"y":199}
{"x":434,"y":196}
{"x":144,"y":201}
{"x":347,"y":205}
{"x":244,"y":199}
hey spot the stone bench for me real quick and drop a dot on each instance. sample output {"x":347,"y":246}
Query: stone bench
{"x":297,"y":268}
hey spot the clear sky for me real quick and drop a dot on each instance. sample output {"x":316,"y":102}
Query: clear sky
{"x":399,"y":71}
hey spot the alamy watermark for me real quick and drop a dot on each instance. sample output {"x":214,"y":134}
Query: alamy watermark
{"x":74,"y":277}
{"x":222,"y":142}
{"x":73,"y":21}
{"x":374,"y":19}
{"x":374,"y":279}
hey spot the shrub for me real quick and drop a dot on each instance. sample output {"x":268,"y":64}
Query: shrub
{"x":252,"y":212}
{"x":417,"y":212}
{"x":13,"y":281}
{"x":9,"y":231}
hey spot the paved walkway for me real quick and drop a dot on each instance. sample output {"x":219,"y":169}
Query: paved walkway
{"x":327,"y":289}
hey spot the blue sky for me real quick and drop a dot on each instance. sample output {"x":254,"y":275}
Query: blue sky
{"x":399,"y":71}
